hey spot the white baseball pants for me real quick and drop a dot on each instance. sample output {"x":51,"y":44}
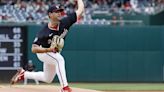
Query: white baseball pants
{"x":53,"y":63}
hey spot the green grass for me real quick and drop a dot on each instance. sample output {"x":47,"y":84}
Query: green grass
{"x":113,"y":86}
{"x":119,"y":86}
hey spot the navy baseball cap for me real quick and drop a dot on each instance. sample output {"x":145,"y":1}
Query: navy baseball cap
{"x":55,"y":8}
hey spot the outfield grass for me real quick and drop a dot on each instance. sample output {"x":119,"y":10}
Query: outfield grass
{"x":119,"y":86}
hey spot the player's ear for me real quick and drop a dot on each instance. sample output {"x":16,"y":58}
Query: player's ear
{"x":49,"y":14}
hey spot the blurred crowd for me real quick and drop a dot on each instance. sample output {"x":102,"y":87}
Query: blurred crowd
{"x":36,"y":10}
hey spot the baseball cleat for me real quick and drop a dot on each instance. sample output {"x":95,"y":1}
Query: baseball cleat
{"x":66,"y":89}
{"x":18,"y":76}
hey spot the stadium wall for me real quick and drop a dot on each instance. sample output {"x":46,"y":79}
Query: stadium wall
{"x":107,"y":54}
{"x":111,"y":54}
{"x":157,"y":19}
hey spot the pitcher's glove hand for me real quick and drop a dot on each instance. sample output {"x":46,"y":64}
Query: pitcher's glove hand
{"x":57,"y":43}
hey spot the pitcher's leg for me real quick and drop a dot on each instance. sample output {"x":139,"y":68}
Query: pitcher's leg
{"x":61,"y":73}
{"x":60,"y":68}
{"x":49,"y":71}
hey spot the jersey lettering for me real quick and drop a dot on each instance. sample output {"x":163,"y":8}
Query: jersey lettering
{"x":64,"y":33}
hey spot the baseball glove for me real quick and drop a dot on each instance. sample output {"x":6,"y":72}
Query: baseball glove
{"x":57,"y":43}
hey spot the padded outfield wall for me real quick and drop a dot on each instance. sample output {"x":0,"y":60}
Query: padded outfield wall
{"x":110,"y":54}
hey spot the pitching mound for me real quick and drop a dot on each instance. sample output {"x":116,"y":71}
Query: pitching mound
{"x":38,"y":88}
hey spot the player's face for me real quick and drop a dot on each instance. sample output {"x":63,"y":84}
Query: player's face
{"x":55,"y":16}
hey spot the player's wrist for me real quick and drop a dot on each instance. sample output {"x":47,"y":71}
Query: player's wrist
{"x":48,"y":50}
{"x":51,"y":50}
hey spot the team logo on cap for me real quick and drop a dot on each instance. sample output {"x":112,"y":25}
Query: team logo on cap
{"x":57,"y":7}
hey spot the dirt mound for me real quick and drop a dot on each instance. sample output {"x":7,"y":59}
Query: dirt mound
{"x":38,"y":88}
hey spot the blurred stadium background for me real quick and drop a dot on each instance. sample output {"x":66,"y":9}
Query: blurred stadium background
{"x":116,"y":41}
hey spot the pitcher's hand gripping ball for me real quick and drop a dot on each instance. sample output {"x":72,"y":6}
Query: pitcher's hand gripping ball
{"x":57,"y":43}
